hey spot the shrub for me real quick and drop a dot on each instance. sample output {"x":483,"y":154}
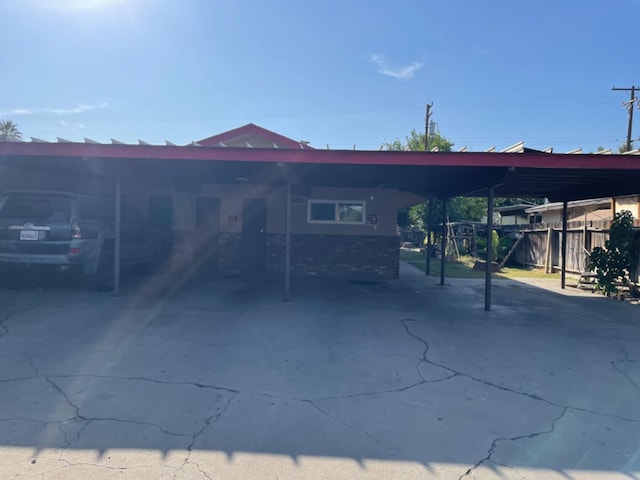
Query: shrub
{"x":504,"y":246}
{"x":481,"y":244}
{"x":613,"y":262}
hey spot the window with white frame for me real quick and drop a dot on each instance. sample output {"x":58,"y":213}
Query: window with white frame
{"x":336,"y":211}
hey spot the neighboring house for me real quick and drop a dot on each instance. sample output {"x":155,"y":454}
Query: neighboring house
{"x":630,"y":203}
{"x":512,"y":217}
{"x":588,"y":227}
{"x":598,"y":209}
{"x":593,"y":210}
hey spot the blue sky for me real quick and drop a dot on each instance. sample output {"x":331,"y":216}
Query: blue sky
{"x":337,"y":73}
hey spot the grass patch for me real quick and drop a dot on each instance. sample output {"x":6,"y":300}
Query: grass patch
{"x":464,"y":267}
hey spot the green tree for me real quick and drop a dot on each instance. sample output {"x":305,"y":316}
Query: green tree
{"x":613,"y":263}
{"x":415,"y":143}
{"x":459,"y":208}
{"x":9,"y":131}
{"x":467,"y":208}
{"x":416,"y":217}
{"x":623,"y":148}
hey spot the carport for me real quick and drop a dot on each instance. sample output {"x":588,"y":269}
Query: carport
{"x":442,"y":175}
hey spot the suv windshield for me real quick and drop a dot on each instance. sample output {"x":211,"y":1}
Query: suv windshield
{"x":36,"y":207}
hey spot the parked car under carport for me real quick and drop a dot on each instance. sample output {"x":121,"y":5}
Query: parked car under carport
{"x":63,"y":231}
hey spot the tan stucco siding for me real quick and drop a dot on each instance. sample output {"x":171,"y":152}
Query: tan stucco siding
{"x":383,"y":203}
{"x":379,"y":202}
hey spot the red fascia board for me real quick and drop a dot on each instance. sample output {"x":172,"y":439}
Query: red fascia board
{"x":323,"y":157}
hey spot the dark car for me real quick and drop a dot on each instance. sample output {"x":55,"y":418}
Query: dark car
{"x":66,"y":231}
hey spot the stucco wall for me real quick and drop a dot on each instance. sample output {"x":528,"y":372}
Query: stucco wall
{"x":367,"y":250}
{"x":380,"y":202}
{"x":383,"y":203}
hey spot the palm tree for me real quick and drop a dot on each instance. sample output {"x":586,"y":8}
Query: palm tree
{"x":9,"y":131}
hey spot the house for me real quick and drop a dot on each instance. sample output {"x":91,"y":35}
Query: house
{"x":251,"y":201}
{"x":630,"y":203}
{"x":593,"y":210}
{"x":513,"y":214}
{"x":588,"y":223}
{"x":232,"y":219}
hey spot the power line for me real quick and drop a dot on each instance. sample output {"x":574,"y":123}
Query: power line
{"x":112,"y":117}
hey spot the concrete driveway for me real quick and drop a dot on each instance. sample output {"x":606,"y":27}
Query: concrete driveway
{"x":398,"y":380}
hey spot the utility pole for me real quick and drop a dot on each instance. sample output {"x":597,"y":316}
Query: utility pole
{"x":630,"y":105}
{"x":426,"y":127}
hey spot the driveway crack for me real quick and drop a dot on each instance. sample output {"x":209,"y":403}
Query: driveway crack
{"x":381,"y":392}
{"x":423,"y":359}
{"x":626,"y":359}
{"x":494,"y":444}
{"x":106,"y":467}
{"x":79,"y":417}
{"x":58,"y":389}
{"x":358,"y":429}
{"x":529,"y":395}
{"x":151,"y":380}
{"x":208,"y":422}
{"x":8,"y":313}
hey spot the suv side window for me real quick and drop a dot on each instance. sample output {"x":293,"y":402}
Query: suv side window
{"x":39,"y":207}
{"x":96,"y":208}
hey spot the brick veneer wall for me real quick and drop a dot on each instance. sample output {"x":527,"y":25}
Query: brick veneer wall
{"x":345,"y":256}
{"x":230,"y":256}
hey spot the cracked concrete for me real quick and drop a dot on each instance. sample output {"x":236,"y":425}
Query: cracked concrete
{"x":401,"y":380}
{"x":471,"y":472}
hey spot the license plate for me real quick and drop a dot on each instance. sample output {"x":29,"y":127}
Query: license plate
{"x":28,"y":235}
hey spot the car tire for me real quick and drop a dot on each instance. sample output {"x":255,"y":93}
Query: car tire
{"x":16,"y":278}
{"x":102,"y":279}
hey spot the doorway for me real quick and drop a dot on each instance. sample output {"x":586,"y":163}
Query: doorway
{"x":207,"y":232}
{"x":160,"y":214}
{"x":254,"y":228}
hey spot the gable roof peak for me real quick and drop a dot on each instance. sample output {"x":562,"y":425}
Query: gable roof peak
{"x":254,"y":135}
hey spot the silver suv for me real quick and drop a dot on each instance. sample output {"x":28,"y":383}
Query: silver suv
{"x":68,"y":231}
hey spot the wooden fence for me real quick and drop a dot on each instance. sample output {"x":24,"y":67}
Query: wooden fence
{"x":542,"y":247}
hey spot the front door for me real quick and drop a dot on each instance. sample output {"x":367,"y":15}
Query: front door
{"x":160,"y":213}
{"x":207,"y":229}
{"x":254,"y":227}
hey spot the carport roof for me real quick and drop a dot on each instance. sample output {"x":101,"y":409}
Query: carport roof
{"x":528,"y":174}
